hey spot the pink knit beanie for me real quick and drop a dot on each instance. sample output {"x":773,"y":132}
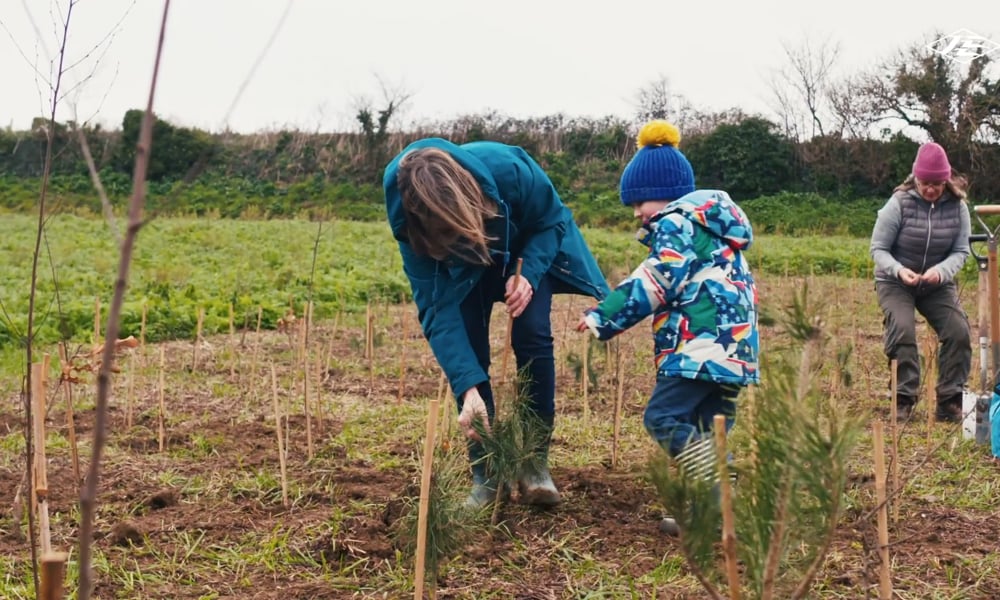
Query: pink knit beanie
{"x":932,"y":163}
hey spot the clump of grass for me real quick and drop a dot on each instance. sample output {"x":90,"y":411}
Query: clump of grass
{"x":450,"y":524}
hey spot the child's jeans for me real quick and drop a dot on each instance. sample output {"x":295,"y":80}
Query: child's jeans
{"x":681,"y":410}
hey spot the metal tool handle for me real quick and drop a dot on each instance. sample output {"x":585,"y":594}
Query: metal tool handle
{"x":987,"y":209}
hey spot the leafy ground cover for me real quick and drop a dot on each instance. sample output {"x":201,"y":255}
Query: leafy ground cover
{"x":204,"y":517}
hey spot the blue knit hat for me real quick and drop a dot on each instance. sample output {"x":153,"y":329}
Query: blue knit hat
{"x":658,"y":171}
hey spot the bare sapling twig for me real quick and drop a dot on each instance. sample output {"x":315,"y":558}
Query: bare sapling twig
{"x":256,"y":343}
{"x":88,"y":495}
{"x":885,"y":576}
{"x":282,"y":456}
{"x":726,"y":503}
{"x":97,"y":322}
{"x":66,"y":379}
{"x":106,"y":208}
{"x":425,"y":486}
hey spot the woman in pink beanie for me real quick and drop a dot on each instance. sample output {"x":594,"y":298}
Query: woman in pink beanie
{"x":919,"y":243}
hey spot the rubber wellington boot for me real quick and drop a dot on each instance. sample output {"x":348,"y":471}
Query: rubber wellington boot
{"x":696,"y":461}
{"x":484,"y":487}
{"x":535,"y":485}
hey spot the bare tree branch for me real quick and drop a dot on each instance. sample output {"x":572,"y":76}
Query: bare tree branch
{"x":88,"y":493}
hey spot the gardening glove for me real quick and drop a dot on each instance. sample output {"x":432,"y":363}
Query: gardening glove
{"x":518,"y":295}
{"x":473,"y":409}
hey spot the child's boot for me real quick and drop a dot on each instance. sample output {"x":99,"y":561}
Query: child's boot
{"x":696,"y":461}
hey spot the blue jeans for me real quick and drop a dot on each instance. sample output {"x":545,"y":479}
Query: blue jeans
{"x":531,"y":341}
{"x":681,"y":410}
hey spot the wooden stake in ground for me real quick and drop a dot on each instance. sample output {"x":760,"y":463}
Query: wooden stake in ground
{"x":162,"y":412}
{"x":53,"y":574}
{"x":442,"y":390}
{"x":931,"y":385}
{"x":619,"y":401}
{"x":510,"y":328}
{"x":726,"y":503}
{"x":425,"y":486}
{"x":130,"y":393}
{"x":197,"y":338}
{"x":67,"y":374}
{"x":585,"y":377}
{"x":307,"y":411}
{"x":885,"y":575}
{"x":282,"y":459}
{"x":97,"y":322}
{"x":402,"y":353}
{"x":370,"y":347}
{"x":319,"y":390}
{"x":256,"y":342}
{"x":39,"y":471}
{"x":894,"y":443}
{"x":233,"y":354}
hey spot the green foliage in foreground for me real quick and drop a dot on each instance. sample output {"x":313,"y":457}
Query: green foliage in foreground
{"x":182,"y":265}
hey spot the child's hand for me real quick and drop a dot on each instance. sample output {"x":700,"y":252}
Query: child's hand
{"x":582,"y":325}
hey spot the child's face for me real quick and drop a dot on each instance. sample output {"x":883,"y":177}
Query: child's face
{"x":645,"y":210}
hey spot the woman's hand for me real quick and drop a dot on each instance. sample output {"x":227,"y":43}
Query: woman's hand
{"x":908,"y":276}
{"x":473,"y":409}
{"x":518,"y":295}
{"x":931,"y":276}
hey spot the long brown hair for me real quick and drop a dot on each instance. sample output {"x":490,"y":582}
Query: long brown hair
{"x":956,"y":185}
{"x":444,"y":206}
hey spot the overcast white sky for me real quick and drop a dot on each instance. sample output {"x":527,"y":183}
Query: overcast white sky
{"x":519,"y":57}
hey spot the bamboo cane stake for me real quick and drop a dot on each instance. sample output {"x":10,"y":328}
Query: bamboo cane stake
{"x":585,"y":377}
{"x":425,"y":486}
{"x":53,"y":573}
{"x":232,"y":344}
{"x":97,"y":321}
{"x":41,"y":479}
{"x":282,"y":460}
{"x":619,"y":401}
{"x":442,"y":389}
{"x":402,"y":355}
{"x":142,"y":339}
{"x":256,"y":342}
{"x":510,"y":328}
{"x":751,"y":423}
{"x":319,"y":391}
{"x":67,"y":372}
{"x":370,"y":351}
{"x":162,"y":391}
{"x":130,"y":393}
{"x":931,"y":387}
{"x":197,"y":339}
{"x":726,"y":503}
{"x":885,"y":576}
{"x":894,"y":444}
{"x":307,"y":411}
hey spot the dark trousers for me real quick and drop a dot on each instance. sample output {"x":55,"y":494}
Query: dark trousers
{"x":681,"y":411}
{"x":941,"y":307}
{"x":531,"y":341}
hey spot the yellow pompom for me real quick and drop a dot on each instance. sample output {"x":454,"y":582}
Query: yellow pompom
{"x":658,"y":133}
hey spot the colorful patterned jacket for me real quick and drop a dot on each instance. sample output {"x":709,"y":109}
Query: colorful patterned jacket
{"x":697,"y":285}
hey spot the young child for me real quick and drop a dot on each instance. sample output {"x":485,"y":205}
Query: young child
{"x":697,"y":285}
